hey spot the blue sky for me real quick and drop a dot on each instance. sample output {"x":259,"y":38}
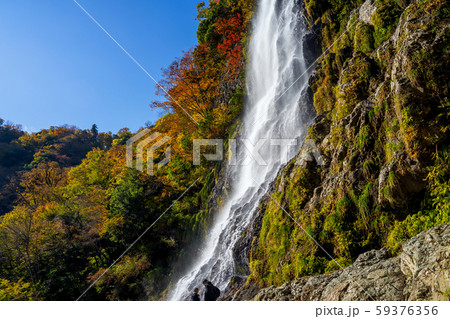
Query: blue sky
{"x":57,"y":67}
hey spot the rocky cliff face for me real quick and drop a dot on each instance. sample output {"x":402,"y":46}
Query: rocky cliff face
{"x":420,"y":272}
{"x":380,"y":91}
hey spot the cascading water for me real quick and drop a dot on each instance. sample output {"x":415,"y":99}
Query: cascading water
{"x":275,"y":113}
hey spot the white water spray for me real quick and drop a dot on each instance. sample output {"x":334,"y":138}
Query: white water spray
{"x":274,"y":110}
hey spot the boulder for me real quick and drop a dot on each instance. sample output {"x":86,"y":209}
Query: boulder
{"x":420,"y":272}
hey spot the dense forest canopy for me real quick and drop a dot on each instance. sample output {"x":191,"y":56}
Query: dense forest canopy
{"x":70,"y":207}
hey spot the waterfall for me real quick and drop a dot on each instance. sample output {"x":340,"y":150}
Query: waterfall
{"x":275,"y":110}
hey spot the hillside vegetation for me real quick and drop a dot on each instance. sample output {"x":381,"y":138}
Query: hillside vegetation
{"x":71,"y":207}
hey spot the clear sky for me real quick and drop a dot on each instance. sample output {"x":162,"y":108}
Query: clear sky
{"x":57,"y":67}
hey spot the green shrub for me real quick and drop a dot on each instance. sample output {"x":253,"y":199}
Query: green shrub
{"x":354,"y":85}
{"x":363,"y":40}
{"x":438,"y":202}
{"x":385,"y":20}
{"x":13,"y":291}
{"x":363,"y":136}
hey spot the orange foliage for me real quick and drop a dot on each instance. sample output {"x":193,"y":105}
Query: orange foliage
{"x":187,"y":88}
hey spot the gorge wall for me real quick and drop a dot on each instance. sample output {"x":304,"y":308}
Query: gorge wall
{"x":380,"y":89}
{"x":420,"y":272}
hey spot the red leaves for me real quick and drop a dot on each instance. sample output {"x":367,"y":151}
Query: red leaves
{"x":232,"y":32}
{"x":193,"y":84}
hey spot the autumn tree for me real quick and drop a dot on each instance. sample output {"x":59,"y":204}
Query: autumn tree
{"x":231,"y":31}
{"x":188,"y":90}
{"x":40,"y":184}
{"x":19,"y":236}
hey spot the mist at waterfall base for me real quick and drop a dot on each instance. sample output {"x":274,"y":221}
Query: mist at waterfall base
{"x":275,"y":108}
